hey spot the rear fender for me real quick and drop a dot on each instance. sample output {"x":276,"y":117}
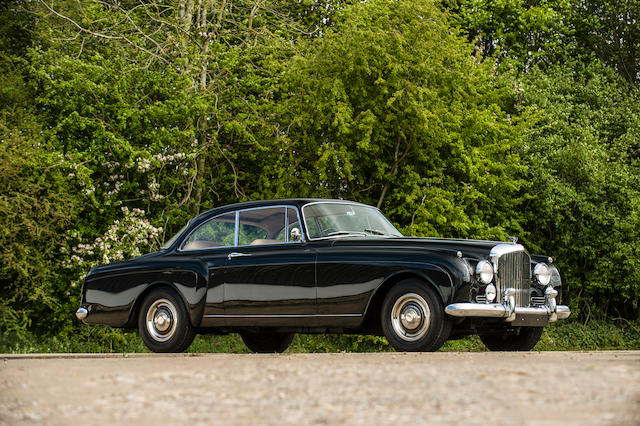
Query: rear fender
{"x":190,"y":285}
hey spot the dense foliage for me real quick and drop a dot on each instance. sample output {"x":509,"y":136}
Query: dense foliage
{"x":120,"y":120}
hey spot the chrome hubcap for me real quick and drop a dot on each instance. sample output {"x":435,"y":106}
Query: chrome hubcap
{"x":410,"y":317}
{"x":161,"y":320}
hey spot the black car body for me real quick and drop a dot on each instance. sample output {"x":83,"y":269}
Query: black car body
{"x":268,"y":269}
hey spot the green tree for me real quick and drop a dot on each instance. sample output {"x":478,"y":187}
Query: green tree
{"x":546,"y":33}
{"x":34,"y":197}
{"x":34,"y":215}
{"x":610,"y":30}
{"x":392,"y":108}
{"x":526,"y":32}
{"x":582,"y":153}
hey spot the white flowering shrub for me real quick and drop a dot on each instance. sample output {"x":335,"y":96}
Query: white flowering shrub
{"x":127,"y":237}
{"x":137,"y":175}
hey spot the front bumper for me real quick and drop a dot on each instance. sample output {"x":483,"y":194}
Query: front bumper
{"x":508,"y":310}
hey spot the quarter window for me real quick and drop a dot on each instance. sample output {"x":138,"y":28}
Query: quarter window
{"x":217,"y":232}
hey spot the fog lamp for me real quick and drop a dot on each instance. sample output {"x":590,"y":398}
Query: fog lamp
{"x":490,"y":293}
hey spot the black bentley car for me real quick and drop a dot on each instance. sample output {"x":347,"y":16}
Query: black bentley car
{"x":270,"y":269}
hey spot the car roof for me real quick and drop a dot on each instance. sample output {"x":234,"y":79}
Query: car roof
{"x":298,"y":202}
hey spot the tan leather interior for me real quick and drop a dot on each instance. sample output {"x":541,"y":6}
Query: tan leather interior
{"x":200,"y":244}
{"x":264,"y":241}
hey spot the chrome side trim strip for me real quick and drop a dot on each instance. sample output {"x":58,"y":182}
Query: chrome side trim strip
{"x":282,"y":316}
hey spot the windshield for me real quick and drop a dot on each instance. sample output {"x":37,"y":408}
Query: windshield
{"x":340,"y":219}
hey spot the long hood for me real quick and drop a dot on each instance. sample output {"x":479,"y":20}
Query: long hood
{"x":478,"y":249}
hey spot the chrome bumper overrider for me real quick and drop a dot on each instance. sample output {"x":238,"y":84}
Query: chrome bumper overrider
{"x":508,"y":309}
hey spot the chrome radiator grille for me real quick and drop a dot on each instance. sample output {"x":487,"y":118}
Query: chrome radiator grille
{"x":514,"y":270}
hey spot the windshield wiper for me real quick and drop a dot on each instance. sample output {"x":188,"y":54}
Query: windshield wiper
{"x":375,"y":231}
{"x":332,"y":234}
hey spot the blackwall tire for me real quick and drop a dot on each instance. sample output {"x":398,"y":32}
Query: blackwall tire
{"x":525,"y":341}
{"x":267,"y":342}
{"x":413,"y":318}
{"x":163,"y":322}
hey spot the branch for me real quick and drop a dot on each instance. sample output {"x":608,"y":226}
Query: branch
{"x":81,"y":28}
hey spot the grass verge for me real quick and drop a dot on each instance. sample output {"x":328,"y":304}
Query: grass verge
{"x":564,"y":336}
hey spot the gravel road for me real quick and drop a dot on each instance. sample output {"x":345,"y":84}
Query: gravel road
{"x":566,"y":388}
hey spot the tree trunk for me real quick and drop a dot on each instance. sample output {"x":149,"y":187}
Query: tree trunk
{"x":394,"y":170}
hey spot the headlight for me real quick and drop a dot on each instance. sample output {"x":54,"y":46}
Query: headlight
{"x":484,"y":271}
{"x":542,"y":273}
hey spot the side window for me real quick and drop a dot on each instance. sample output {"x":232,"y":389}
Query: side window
{"x":262,"y":226}
{"x":216,"y":232}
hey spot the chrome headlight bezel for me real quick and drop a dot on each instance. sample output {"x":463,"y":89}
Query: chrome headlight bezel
{"x":484,"y":271}
{"x":542,"y":273}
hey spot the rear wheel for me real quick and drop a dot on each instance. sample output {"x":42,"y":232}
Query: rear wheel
{"x":163,"y":322}
{"x":413,"y":318}
{"x":267,"y":342}
{"x":525,"y":341}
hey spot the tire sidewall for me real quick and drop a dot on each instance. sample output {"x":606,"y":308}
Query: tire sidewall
{"x":428,"y":342}
{"x":175,"y":343}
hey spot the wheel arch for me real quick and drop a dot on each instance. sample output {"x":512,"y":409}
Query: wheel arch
{"x":371,"y":319}
{"x":194,"y":318}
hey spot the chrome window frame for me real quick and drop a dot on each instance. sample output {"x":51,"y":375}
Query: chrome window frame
{"x":237,"y":229}
{"x":348,"y":203}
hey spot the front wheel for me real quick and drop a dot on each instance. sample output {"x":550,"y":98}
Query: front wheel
{"x":413,"y":318}
{"x":163,"y":322}
{"x":267,"y":343}
{"x":524,"y":341}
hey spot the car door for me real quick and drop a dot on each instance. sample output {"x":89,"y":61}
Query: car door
{"x":269,"y":278}
{"x":211,"y":243}
{"x":347,"y":276}
{"x":348,"y":269}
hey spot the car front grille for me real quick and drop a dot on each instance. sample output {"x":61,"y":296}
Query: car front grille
{"x":514,"y":270}
{"x":537,"y":300}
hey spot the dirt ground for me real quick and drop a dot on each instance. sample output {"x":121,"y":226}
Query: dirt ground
{"x":565,"y":388}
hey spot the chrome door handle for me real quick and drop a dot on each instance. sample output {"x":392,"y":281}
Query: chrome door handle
{"x":236,"y":254}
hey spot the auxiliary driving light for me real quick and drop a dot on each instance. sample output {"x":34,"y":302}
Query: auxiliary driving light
{"x":490,"y":293}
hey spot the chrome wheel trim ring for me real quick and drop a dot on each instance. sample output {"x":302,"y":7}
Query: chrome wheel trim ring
{"x":162,"y":320}
{"x":410,"y":317}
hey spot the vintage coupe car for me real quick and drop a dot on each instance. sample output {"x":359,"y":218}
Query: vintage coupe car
{"x":269,"y":269}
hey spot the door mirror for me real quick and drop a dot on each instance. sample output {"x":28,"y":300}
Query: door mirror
{"x":295,"y":234}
